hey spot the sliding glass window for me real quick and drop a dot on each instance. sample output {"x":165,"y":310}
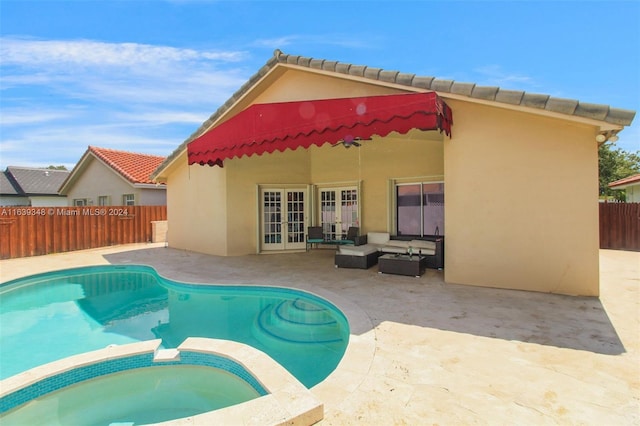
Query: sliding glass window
{"x":420,"y":209}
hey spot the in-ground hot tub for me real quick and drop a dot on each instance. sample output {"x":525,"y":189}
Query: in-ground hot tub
{"x":139,"y":384}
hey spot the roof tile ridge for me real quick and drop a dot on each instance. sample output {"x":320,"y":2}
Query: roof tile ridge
{"x":601,"y":112}
{"x":121,"y":151}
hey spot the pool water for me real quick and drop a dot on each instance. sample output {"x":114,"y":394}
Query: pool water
{"x":164,"y":393}
{"x":50,"y":316}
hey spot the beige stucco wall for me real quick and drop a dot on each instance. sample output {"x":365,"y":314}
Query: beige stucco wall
{"x":521,"y":202}
{"x":197,"y":208}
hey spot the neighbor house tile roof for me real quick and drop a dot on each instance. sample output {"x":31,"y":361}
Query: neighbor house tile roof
{"x":34,"y":181}
{"x":134,"y":167}
{"x":626,"y":181}
{"x":570,"y":107}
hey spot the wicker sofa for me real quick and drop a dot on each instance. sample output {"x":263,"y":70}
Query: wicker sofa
{"x":368,"y":248}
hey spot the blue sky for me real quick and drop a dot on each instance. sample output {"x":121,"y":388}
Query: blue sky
{"x":143,"y":75}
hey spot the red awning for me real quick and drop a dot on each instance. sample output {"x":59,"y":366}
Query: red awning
{"x":277,"y":126}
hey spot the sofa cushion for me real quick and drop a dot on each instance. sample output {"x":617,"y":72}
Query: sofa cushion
{"x":392,"y":249}
{"x":398,"y":243}
{"x":358,"y":250}
{"x":380,"y":238}
{"x":422,"y":244}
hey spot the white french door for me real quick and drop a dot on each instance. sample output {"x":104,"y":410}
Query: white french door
{"x":338,"y":209}
{"x":283,"y":221}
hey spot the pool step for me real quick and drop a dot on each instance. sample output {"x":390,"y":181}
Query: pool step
{"x":295,"y":321}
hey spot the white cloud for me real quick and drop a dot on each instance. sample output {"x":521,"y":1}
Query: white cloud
{"x":122,"y":73}
{"x":354,"y":41}
{"x":277,"y":42}
{"x":157,"y":118}
{"x":21,"y":116}
{"x":88,"y":53}
{"x":495,"y":75}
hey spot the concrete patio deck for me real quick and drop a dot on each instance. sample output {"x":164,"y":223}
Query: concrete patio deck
{"x":426,"y":352}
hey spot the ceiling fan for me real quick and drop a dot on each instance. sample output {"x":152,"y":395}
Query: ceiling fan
{"x":350,"y":141}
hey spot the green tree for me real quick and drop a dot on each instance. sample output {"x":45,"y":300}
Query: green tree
{"x":52,"y":167}
{"x":615,"y":164}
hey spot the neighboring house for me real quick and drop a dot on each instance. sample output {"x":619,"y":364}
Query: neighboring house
{"x":305,"y":141}
{"x":30,"y":186}
{"x":631,"y":186}
{"x":109,"y":177}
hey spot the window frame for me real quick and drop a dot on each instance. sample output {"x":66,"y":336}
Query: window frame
{"x":128,"y":199}
{"x":393,"y":193}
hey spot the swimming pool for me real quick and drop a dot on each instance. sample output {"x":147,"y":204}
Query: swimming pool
{"x":50,"y":316}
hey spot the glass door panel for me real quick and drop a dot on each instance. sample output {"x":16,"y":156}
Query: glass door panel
{"x":409,"y":214}
{"x":338,"y":211}
{"x":328,"y":213}
{"x":272,"y":220}
{"x":433,"y":209}
{"x":283,"y":219}
{"x":348,"y":210}
{"x":295,"y":219}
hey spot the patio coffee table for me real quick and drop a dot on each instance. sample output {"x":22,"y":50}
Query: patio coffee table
{"x":402,"y":264}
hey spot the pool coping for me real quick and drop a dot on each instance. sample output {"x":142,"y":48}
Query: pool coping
{"x":288,"y":401}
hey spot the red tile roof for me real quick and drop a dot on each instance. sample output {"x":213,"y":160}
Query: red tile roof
{"x":134,"y":167}
{"x":626,"y":181}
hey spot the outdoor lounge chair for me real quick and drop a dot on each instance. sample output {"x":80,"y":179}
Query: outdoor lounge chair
{"x":352,"y":235}
{"x":314,"y":236}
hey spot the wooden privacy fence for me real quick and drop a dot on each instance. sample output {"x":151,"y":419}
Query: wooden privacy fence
{"x":33,"y":231}
{"x":620,"y":226}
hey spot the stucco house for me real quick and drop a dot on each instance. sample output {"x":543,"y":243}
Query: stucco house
{"x":509,"y":178}
{"x":631,"y":185}
{"x":31,"y":186}
{"x":110,"y":177}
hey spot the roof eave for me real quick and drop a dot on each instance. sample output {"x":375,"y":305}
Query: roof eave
{"x":150,"y":186}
